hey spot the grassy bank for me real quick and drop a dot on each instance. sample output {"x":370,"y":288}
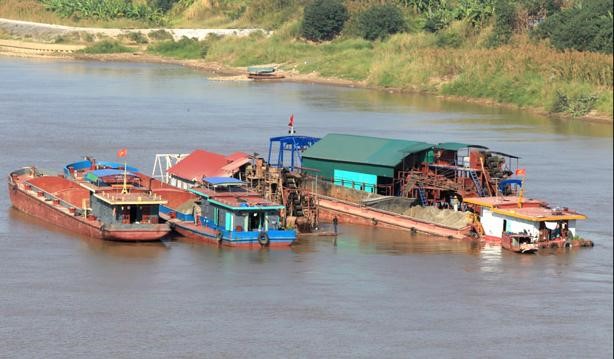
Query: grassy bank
{"x":524,"y":74}
{"x":457,"y":60}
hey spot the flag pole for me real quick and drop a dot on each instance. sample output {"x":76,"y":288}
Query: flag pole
{"x":125,"y":187}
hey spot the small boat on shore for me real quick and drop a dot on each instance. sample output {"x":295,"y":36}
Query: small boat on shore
{"x":90,"y":203}
{"x":263,"y":73}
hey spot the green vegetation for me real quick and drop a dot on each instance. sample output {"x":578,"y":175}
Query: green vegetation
{"x":380,"y":21}
{"x":137,"y":37}
{"x":160,"y":35}
{"x":106,"y":47}
{"x":105,"y":10}
{"x":183,"y":49}
{"x":584,"y":27}
{"x":504,"y":23}
{"x":323,"y":19}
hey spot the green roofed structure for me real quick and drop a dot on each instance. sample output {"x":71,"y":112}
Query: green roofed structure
{"x":363,"y":162}
{"x":455,"y":146}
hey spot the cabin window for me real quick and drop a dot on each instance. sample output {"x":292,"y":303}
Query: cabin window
{"x":238,"y":222}
{"x":272,"y":221}
{"x":255,"y":221}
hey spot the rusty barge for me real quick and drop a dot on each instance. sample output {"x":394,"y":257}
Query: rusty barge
{"x":85,"y":202}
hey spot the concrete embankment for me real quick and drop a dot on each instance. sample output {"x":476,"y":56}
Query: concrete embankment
{"x":50,"y":32}
{"x":23,"y":48}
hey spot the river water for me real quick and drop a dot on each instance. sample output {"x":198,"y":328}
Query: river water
{"x":375,"y":294}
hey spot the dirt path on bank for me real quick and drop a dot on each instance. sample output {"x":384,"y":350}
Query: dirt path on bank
{"x":50,"y":32}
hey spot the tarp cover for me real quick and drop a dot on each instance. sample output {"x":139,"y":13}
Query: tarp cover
{"x":506,"y":182}
{"x":221,"y":180}
{"x":97,"y":174}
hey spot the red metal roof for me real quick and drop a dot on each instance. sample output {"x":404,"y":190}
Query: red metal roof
{"x":201,"y":163}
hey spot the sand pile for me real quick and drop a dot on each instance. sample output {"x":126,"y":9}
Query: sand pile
{"x":446,"y":217}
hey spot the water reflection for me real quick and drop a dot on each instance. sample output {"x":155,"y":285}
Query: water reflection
{"x":377,"y":293}
{"x":35,"y":229}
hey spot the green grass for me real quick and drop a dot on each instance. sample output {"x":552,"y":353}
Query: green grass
{"x":185,"y":49}
{"x":524,"y":74}
{"x":106,"y":47}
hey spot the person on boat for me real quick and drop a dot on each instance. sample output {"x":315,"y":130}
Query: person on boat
{"x":454,"y":203}
{"x":335,"y":222}
{"x":197,"y":212}
{"x":557,"y":231}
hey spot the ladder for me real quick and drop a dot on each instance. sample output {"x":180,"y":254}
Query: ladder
{"x":476,"y":182}
{"x":422,"y":195}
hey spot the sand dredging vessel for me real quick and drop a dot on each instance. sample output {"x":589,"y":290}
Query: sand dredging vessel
{"x":454,"y":190}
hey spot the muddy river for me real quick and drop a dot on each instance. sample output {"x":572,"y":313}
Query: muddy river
{"x":375,"y":294}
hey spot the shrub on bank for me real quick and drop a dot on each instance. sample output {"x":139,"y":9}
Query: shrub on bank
{"x":323,"y":19}
{"x":505,"y":18}
{"x":584,"y":28}
{"x":183,"y":49}
{"x":106,"y":47}
{"x":380,"y":21}
{"x":159,"y":35}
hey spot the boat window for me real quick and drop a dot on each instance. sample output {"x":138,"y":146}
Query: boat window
{"x":255,"y":222}
{"x":273,"y":221}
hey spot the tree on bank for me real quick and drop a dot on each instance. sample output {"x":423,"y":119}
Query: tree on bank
{"x":379,"y":21}
{"x":586,"y":27}
{"x":323,"y":19}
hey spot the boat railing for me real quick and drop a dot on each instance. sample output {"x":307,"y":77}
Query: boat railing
{"x":393,"y":214}
{"x":51,"y":197}
{"x":179,"y":215}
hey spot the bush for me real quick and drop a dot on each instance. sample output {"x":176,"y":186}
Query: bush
{"x":583,"y":28}
{"x":323,"y":19}
{"x":159,"y":35}
{"x":577,"y":106}
{"x":379,"y":21}
{"x":137,"y":37}
{"x":437,"y":19}
{"x":182,"y":49}
{"x":448,"y":39}
{"x":164,"y":5}
{"x":106,"y":47}
{"x":505,"y":18}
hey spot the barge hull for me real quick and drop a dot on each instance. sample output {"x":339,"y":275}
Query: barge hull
{"x":348,"y":213}
{"x":50,"y":213}
{"x":200,"y":233}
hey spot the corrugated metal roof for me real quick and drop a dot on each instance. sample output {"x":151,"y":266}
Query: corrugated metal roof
{"x":201,"y":163}
{"x":364,"y":149}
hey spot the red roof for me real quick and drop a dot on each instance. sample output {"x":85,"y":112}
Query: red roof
{"x":201,"y":163}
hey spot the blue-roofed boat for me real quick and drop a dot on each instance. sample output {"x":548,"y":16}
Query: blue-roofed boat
{"x":97,"y":199}
{"x":222,"y":210}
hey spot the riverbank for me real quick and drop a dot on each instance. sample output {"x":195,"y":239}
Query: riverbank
{"x":218,"y":63}
{"x":18,"y":48}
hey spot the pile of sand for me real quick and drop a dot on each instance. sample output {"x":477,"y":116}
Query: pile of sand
{"x":445,"y":217}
